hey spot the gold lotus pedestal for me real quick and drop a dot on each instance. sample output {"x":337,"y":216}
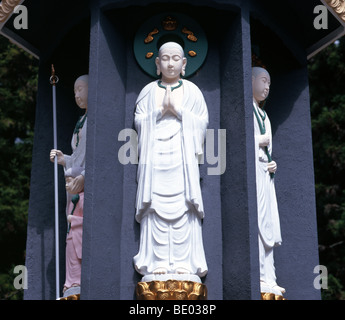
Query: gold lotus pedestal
{"x":71,"y":297}
{"x":271,"y":296}
{"x":171,"y":290}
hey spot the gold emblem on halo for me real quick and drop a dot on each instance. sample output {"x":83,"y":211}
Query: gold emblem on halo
{"x":192,"y":53}
{"x":169,"y":23}
{"x":149,"y":37}
{"x":190,"y":34}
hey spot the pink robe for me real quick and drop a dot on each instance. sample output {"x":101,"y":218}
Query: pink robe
{"x":74,"y":244}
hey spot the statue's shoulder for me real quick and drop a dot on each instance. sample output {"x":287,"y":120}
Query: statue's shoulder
{"x":146,"y":90}
{"x":189,"y":83}
{"x":194,"y":90}
{"x":149,"y":86}
{"x":191,"y":86}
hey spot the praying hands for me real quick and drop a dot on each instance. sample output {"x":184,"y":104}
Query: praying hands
{"x":169,"y":103}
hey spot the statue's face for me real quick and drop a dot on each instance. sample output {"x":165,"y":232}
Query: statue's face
{"x":170,"y":63}
{"x":81,"y":93}
{"x":261,"y":86}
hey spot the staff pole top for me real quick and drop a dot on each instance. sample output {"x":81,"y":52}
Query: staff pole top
{"x":54,"y":79}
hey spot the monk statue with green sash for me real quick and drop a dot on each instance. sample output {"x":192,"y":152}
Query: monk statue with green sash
{"x":74,"y":171}
{"x":171,"y":118}
{"x":268,"y":215}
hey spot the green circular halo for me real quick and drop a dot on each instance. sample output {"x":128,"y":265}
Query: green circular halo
{"x":170,"y":26}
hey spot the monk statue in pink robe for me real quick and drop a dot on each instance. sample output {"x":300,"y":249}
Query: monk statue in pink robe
{"x":74,"y":169}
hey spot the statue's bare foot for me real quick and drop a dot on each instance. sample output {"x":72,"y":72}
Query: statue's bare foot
{"x":182,"y":271}
{"x":282,"y":290}
{"x":160,"y":271}
{"x":273,"y":289}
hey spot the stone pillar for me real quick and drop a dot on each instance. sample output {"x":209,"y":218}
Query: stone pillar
{"x":238,"y":186}
{"x":101,"y":272}
{"x":289,"y":112}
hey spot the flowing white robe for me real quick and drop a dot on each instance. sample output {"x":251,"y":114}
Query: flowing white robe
{"x":169,"y":204}
{"x":77,"y":158}
{"x":268,"y":215}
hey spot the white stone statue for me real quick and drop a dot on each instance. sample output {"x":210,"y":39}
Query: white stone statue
{"x":171,"y":118}
{"x":268,"y":215}
{"x":74,"y":170}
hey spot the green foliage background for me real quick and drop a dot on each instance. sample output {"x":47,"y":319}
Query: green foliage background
{"x":18,"y":85}
{"x":327,"y":91}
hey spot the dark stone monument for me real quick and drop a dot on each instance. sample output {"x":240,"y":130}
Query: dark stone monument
{"x":96,"y":37}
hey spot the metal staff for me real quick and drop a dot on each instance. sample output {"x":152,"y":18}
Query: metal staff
{"x":53,"y":81}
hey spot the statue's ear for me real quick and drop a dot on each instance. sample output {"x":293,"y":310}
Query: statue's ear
{"x":183,"y":72}
{"x":158,"y":66}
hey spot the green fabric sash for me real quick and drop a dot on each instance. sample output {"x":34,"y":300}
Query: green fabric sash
{"x":263,"y":131}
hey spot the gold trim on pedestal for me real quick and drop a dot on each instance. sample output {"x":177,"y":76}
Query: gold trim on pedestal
{"x":271,"y":296}
{"x":71,"y":297}
{"x":171,"y":290}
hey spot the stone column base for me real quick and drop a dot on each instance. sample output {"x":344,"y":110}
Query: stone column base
{"x":171,"y":290}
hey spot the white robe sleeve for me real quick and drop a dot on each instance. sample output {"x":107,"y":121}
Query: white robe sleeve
{"x":194,"y":116}
{"x":145,"y":120}
{"x":194,"y":123}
